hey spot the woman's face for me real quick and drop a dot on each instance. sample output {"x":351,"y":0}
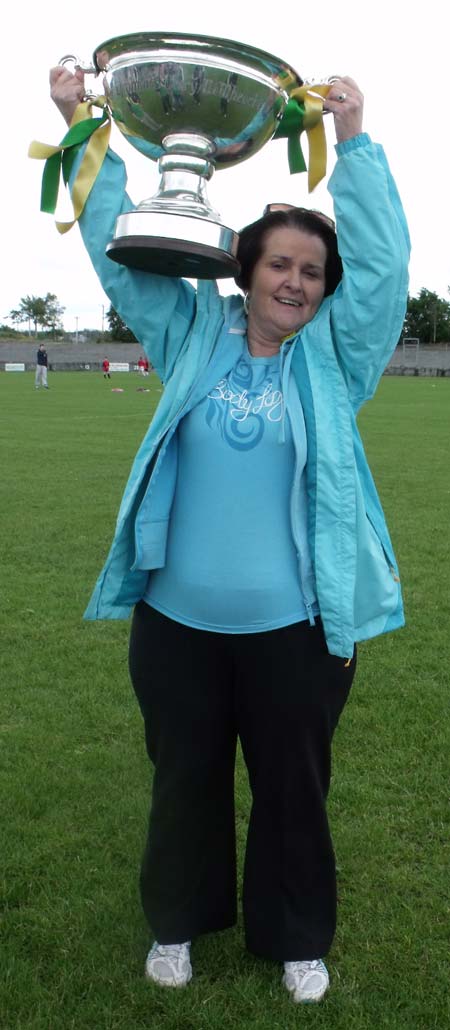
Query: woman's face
{"x":288,"y":283}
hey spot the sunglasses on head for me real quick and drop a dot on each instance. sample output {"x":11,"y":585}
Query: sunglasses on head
{"x":304,"y":210}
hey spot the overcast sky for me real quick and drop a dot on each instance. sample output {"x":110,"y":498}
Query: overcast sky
{"x":398,"y":55}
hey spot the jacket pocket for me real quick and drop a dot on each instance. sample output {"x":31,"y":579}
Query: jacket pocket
{"x":377,"y":589}
{"x":151,"y":543}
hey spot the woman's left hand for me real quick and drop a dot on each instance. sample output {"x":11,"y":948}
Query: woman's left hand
{"x":346,"y":103}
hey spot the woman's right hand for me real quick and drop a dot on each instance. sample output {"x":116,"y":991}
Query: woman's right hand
{"x":66,"y":90}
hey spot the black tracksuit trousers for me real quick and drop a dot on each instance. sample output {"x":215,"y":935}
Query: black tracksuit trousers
{"x":280,"y":693}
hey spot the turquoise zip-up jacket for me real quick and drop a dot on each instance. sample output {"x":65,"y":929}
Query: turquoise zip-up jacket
{"x":193,"y":338}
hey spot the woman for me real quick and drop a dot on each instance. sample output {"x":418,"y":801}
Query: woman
{"x":252,"y":546}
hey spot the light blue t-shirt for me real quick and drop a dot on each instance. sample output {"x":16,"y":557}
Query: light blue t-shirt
{"x":231,"y":563}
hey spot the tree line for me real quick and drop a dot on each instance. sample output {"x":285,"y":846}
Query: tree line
{"x":427,"y":318}
{"x":46,"y":313}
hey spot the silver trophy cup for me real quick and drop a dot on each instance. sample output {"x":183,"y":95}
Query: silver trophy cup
{"x":193,"y":104}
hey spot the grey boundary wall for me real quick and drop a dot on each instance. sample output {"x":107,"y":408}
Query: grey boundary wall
{"x":425,"y":360}
{"x":88,"y":357}
{"x":68,"y":357}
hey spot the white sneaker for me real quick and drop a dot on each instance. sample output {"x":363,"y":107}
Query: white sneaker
{"x":307,"y":981}
{"x":169,"y":964}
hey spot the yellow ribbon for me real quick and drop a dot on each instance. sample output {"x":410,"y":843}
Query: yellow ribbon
{"x":93,"y":158}
{"x":312,"y":97}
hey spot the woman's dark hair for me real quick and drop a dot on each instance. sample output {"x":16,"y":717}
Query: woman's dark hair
{"x":252,"y":239}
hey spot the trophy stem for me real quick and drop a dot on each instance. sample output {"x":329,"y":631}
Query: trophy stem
{"x":185,"y":169}
{"x":181,"y":191}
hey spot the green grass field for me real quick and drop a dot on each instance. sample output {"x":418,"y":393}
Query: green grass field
{"x":75,"y":780}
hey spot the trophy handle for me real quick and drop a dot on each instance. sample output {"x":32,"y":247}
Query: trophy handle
{"x":84,"y":66}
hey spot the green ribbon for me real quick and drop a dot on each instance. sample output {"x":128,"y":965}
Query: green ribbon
{"x":62,"y":160}
{"x":291,"y":126}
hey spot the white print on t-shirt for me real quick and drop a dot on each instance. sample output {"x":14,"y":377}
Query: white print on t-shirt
{"x":269,"y":402}
{"x":246,"y":403}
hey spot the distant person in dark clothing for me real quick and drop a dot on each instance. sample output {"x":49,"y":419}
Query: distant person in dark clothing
{"x":40,"y":378}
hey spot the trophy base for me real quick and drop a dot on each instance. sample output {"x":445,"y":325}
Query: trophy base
{"x":173,"y":257}
{"x":174,"y":245}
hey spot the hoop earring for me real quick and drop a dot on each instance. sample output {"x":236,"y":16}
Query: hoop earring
{"x":246,"y":303}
